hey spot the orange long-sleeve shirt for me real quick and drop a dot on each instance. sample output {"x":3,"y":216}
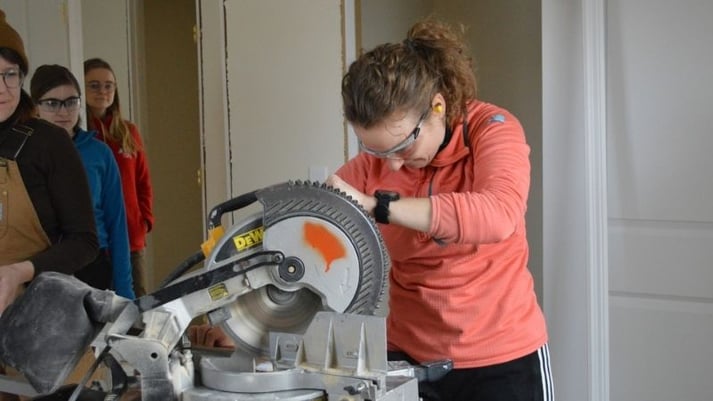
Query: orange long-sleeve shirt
{"x":462,"y":290}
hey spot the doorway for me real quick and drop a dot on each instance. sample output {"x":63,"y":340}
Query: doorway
{"x":170,"y":107}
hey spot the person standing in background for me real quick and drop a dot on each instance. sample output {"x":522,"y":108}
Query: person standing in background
{"x":122,"y":136}
{"x":57,"y":94}
{"x":50,"y":226}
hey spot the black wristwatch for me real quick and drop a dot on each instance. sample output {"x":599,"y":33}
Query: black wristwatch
{"x":383,"y":199}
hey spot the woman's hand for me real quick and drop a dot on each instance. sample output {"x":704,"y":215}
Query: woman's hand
{"x":11,"y":277}
{"x":366,"y":201}
{"x":205,"y":335}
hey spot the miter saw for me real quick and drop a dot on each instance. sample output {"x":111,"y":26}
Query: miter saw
{"x":295,"y":286}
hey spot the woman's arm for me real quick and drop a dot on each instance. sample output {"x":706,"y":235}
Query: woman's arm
{"x":413,"y":213}
{"x":68,"y":195}
{"x":495,"y":205}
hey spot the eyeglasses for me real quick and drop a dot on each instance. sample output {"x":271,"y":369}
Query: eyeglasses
{"x":393,"y":153}
{"x":52,"y":105}
{"x":96,"y":86}
{"x":12,"y":78}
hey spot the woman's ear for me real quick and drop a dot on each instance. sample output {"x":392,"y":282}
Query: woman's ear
{"x":438,"y":103}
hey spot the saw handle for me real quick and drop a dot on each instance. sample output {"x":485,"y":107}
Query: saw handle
{"x":215,"y":232}
{"x":231,"y":205}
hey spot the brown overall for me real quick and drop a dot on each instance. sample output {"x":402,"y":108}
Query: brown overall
{"x":21,"y":237}
{"x":21,"y":234}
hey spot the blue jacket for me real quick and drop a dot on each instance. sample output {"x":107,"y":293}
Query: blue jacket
{"x":108,"y":202}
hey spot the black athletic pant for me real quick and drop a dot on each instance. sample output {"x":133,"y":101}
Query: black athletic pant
{"x":524,"y":379}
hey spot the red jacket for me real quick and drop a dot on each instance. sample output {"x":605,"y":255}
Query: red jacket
{"x":136,"y":184}
{"x":462,"y":290}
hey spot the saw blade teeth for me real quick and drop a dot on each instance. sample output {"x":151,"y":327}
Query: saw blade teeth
{"x":343,"y":211}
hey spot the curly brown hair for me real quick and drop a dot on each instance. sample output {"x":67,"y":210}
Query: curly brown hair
{"x":403,"y":76}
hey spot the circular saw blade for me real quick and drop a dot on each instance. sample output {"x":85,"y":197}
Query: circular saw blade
{"x":335,"y":260}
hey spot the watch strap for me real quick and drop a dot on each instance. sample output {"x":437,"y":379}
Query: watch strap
{"x":381,"y":211}
{"x":383,"y":201}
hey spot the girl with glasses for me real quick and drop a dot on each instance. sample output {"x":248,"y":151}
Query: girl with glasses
{"x":57,"y":94}
{"x":447,"y":175}
{"x":122,"y":136}
{"x":46,"y":220}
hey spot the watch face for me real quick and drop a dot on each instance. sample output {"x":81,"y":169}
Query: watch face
{"x":390,"y":195}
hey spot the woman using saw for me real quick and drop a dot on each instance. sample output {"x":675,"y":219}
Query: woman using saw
{"x":447,"y":177}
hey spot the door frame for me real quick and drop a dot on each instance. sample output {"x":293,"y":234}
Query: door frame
{"x":594,"y":24}
{"x":575,"y":217}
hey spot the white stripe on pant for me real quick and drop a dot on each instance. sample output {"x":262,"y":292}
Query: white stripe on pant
{"x":548,"y":392}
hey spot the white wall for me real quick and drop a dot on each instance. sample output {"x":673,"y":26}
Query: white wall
{"x":284,"y":82}
{"x":389,"y":21}
{"x":213,"y":104}
{"x":50,"y":32}
{"x":43,"y":28}
{"x":105,"y":31}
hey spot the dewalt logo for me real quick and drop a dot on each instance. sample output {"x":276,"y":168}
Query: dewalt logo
{"x":248,"y":239}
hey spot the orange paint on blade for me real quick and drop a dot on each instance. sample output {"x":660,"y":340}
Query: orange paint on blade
{"x":324,"y":242}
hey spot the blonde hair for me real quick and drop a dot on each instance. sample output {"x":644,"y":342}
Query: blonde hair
{"x":118,"y":129}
